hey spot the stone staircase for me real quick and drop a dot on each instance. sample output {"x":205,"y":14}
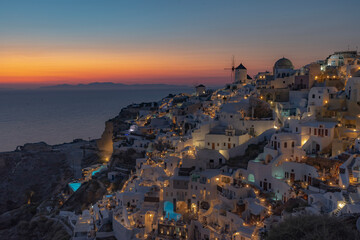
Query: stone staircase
{"x":347,"y":201}
{"x":336,"y":212}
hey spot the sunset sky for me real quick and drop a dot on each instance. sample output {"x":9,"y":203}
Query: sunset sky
{"x":177,"y":42}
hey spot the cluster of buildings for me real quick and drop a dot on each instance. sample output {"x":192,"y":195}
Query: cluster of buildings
{"x":195,"y":181}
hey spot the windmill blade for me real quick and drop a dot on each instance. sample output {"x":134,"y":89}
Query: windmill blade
{"x":232,"y":67}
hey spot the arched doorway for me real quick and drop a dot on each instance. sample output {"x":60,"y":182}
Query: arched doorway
{"x":149,"y":221}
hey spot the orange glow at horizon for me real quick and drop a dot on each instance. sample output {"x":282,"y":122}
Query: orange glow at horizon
{"x":82,"y":67}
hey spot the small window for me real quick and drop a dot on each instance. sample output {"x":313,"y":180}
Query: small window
{"x":313,"y":96}
{"x":234,"y":145}
{"x":260,"y":183}
{"x":229,"y":139}
{"x":296,"y":129}
{"x":315,"y":131}
{"x":326,"y":132}
{"x":285,"y":144}
{"x":293,"y":144}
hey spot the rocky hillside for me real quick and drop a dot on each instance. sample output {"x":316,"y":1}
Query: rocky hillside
{"x":31,"y":179}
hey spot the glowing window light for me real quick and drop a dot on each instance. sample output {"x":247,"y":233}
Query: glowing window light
{"x":251,"y":178}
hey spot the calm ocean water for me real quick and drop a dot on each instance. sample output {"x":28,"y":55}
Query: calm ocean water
{"x":56,"y":116}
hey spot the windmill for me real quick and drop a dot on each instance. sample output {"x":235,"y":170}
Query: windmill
{"x":232,"y":68}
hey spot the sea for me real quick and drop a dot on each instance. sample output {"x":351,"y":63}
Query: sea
{"x":58,"y":116}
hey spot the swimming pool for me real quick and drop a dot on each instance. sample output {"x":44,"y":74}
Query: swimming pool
{"x":75,"y":186}
{"x":97,"y":170}
{"x":169,"y":211}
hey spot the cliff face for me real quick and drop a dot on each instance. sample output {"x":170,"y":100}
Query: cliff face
{"x":31,"y":180}
{"x":30,"y":177}
{"x":26,"y":180}
{"x":105,"y":143}
{"x":115,"y":126}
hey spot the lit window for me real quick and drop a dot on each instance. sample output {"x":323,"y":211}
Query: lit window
{"x":251,"y":178}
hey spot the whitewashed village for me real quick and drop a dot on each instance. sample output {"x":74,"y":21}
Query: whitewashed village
{"x":234,"y":162}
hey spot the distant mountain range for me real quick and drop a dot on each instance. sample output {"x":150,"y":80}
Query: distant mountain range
{"x":111,"y":85}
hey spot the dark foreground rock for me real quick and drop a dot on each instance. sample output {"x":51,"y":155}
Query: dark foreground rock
{"x":31,"y":182}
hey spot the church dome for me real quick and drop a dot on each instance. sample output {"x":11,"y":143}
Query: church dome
{"x":283,"y":63}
